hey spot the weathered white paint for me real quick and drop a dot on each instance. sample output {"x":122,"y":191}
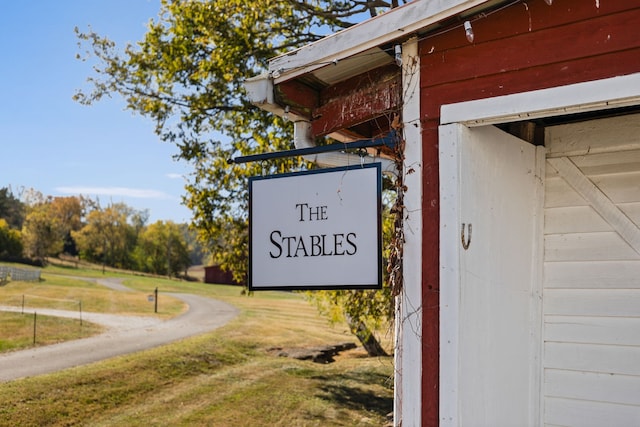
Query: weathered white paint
{"x":592,"y":266}
{"x":589,"y":274}
{"x":621,"y":389}
{"x":593,"y":330}
{"x":592,"y":302}
{"x":489,"y":314}
{"x":560,"y":194}
{"x":581,"y":413}
{"x":580,"y":97}
{"x":408,"y":379}
{"x":574,"y":219}
{"x":449,"y":274}
{"x":594,"y":137}
{"x":606,"y":163}
{"x":598,"y":200}
{"x":619,"y":188}
{"x":450,"y":137}
{"x":588,"y":247}
{"x":616,"y":274}
{"x":608,"y":359}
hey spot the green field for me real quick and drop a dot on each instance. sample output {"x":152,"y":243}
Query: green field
{"x":230,"y":377}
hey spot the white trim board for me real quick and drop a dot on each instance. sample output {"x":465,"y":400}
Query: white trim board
{"x":408,"y":390}
{"x":489,"y":284}
{"x":582,"y":97}
{"x":595,"y":95}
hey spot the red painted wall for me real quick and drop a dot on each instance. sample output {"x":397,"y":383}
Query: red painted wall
{"x":214,"y":274}
{"x":523,"y":47}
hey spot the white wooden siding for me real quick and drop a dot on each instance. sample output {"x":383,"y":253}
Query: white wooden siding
{"x":591,"y":359}
{"x":593,"y":330}
{"x":593,"y":137}
{"x":588,"y":247}
{"x":565,"y":412}
{"x":601,"y":274}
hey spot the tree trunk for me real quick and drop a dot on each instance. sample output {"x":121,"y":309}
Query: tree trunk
{"x":366,"y":338}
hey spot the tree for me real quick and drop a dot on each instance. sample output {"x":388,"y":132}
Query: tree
{"x":162,"y":249}
{"x":197,"y":252}
{"x":110,"y":234}
{"x":48,"y":223}
{"x":10,"y":241}
{"x":363,"y":310}
{"x":68,"y":213}
{"x":187,"y":76}
{"x":42,"y":234}
{"x":11,"y":208}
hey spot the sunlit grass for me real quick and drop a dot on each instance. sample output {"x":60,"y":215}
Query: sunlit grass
{"x":208,"y":380}
{"x":229,"y":377}
{"x":220,"y":379}
{"x":24,"y":330}
{"x":65,"y":293}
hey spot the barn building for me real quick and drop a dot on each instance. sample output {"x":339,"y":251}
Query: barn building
{"x":215,"y":274}
{"x":521,"y":164}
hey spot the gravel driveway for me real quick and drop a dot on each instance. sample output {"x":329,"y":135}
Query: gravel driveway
{"x":125,"y":334}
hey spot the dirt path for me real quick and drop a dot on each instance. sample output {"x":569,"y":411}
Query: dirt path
{"x":126,"y":334}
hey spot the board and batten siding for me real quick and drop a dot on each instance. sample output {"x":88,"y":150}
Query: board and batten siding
{"x":591,"y":332}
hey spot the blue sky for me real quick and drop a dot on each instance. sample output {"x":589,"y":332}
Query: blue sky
{"x":56,"y":146}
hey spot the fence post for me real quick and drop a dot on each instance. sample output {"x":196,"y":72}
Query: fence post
{"x":35,"y":316}
{"x":156,"y":301}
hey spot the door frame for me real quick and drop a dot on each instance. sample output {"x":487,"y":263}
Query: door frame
{"x":590,"y":96}
{"x":491,"y":219}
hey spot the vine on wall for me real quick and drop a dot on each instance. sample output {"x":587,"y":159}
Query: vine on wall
{"x":394,"y":263}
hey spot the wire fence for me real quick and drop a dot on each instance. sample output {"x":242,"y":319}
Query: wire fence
{"x":18,"y":274}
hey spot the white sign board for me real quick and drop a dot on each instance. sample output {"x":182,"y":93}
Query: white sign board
{"x":316,"y":230}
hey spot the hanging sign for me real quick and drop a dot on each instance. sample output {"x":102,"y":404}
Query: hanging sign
{"x":319,"y":229}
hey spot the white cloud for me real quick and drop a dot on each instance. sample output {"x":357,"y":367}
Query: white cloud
{"x":174,"y":175}
{"x":139,"y":193}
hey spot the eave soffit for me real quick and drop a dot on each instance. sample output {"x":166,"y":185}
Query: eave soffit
{"x":369,"y":44}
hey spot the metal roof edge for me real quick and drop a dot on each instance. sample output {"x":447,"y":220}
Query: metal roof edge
{"x":398,"y":23}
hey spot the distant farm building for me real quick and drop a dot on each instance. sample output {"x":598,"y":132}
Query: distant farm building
{"x":215,"y":274}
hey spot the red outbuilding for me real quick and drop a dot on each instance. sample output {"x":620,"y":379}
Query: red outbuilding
{"x":520,"y":124}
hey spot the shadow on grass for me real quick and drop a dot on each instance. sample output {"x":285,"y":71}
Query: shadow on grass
{"x":358,"y":391}
{"x":362,"y":377}
{"x":357,"y":399}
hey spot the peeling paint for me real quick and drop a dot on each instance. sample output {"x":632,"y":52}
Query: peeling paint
{"x":526,"y":6}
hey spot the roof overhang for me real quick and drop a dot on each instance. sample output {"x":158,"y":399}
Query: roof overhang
{"x":365,"y":41}
{"x":302,"y":84}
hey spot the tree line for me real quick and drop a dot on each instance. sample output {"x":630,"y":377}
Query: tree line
{"x":34,"y":227}
{"x":187,"y":76}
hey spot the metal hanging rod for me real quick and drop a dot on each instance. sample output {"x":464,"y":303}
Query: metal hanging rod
{"x":386,"y":141}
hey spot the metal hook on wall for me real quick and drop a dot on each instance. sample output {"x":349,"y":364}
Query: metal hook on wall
{"x":362,"y":153}
{"x":466,"y":241}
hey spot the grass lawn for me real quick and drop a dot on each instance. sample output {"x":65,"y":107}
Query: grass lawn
{"x":229,"y":377}
{"x":65,"y":293}
{"x":17,"y":330}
